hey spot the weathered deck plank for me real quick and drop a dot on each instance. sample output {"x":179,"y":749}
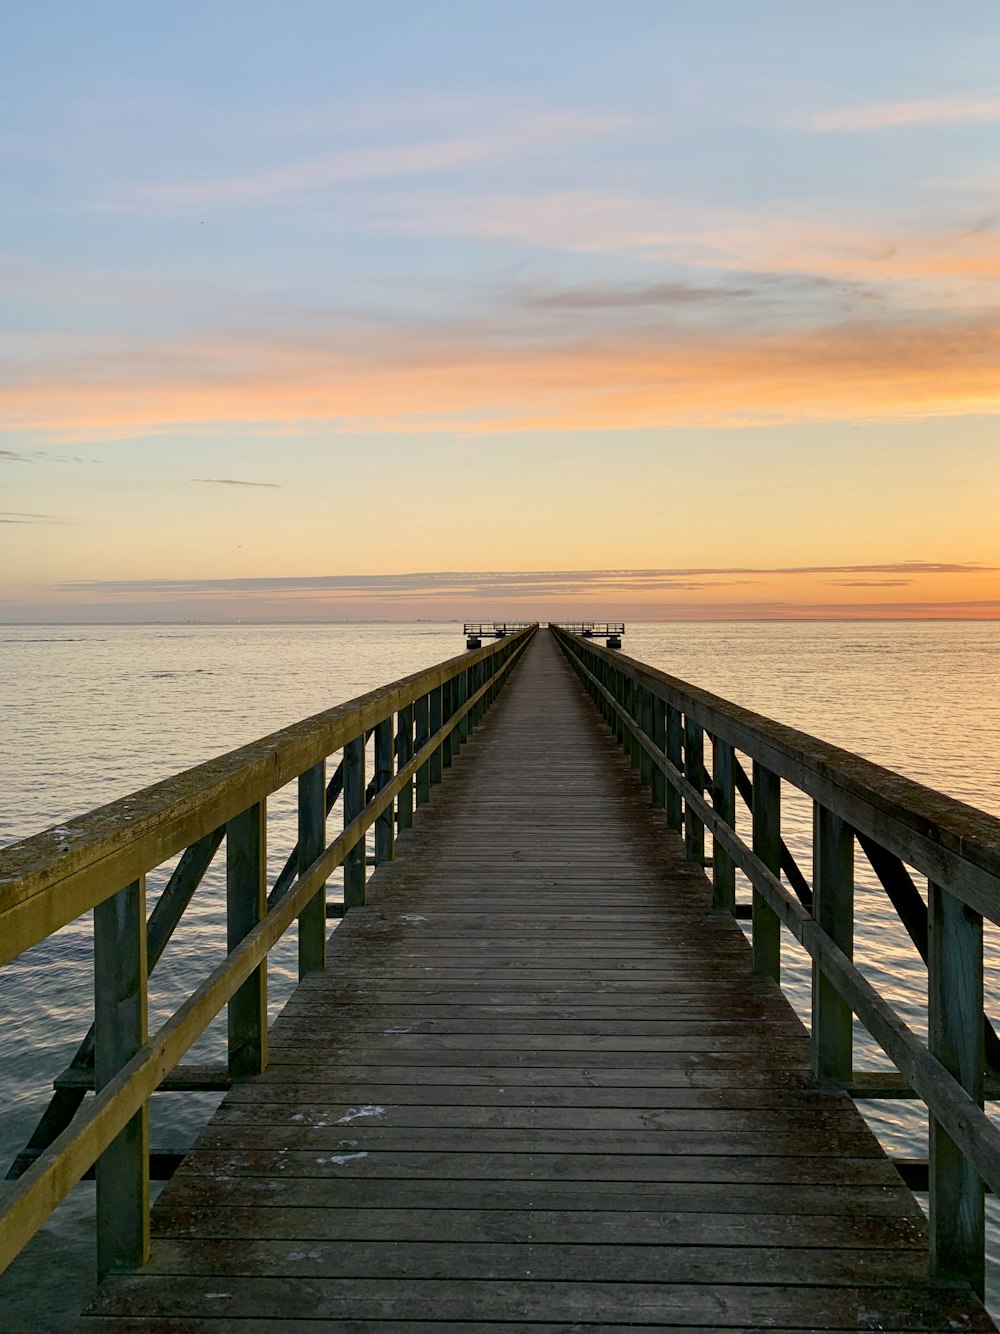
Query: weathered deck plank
{"x":536,"y":1089}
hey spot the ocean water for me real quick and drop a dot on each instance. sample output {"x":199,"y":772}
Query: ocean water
{"x":88,"y":714}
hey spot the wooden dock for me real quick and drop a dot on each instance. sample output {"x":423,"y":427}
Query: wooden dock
{"x":536,"y":1088}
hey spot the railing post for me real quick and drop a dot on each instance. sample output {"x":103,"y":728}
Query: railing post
{"x":724,"y":802}
{"x":404,"y":754}
{"x":767,"y":846}
{"x":634,"y":749}
{"x":955,"y":1037}
{"x":312,"y":841}
{"x":120,"y":1030}
{"x":354,"y":804}
{"x":447,"y":709}
{"x":606,"y":674}
{"x":385,"y":824}
{"x":436,"y":756}
{"x":833,"y":909}
{"x":675,"y":756}
{"x":246,"y":904}
{"x":645,"y":712}
{"x":463,"y":695}
{"x":618,"y":690}
{"x":694,"y":771}
{"x":658,"y":735}
{"x":421,"y":717}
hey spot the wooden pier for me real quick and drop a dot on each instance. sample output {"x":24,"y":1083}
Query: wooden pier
{"x":544,"y":1083}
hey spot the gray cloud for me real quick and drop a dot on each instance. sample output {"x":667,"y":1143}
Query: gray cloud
{"x":13,"y":454}
{"x":461,"y":585}
{"x":984,"y":224}
{"x":604,"y":295}
{"x":748,"y":291}
{"x":26,"y":516}
{"x":234,"y":481}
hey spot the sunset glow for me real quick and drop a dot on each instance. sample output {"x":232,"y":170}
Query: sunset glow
{"x":699,"y":301}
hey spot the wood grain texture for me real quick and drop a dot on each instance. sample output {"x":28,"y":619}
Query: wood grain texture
{"x":538,"y":1087}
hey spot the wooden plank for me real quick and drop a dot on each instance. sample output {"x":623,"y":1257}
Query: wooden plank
{"x":563,"y":1226}
{"x":702,"y":1306}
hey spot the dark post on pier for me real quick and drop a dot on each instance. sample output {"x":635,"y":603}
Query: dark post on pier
{"x":539,"y":1076}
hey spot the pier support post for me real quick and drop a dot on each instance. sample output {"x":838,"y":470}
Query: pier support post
{"x":955,"y":1036}
{"x":120,"y":1030}
{"x":404,"y":754}
{"x":421,"y":716}
{"x":833,"y":909}
{"x":385,"y":824}
{"x":354,"y":804}
{"x":246,"y":904}
{"x":767,"y":846}
{"x":694,"y":771}
{"x":724,"y":802}
{"x":312,"y":841}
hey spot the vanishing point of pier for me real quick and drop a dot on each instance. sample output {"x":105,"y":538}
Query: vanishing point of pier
{"x":538,"y":1078}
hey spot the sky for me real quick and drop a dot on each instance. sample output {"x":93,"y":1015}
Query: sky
{"x":611,"y":308}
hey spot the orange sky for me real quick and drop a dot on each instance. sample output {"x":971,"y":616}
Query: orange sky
{"x":687,"y":296}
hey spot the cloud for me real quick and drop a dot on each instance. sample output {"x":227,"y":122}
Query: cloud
{"x":13,"y":454}
{"x":869,"y":583}
{"x":458,"y":378}
{"x":966,"y":110}
{"x":460,"y":585}
{"x":400,"y":159}
{"x":234,"y":481}
{"x":25,"y":516}
{"x":606,"y":295}
{"x":589,"y":222}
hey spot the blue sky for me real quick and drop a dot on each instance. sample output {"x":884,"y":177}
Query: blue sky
{"x":258,"y":264}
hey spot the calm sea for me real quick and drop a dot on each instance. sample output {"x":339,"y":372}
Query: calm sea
{"x":89,"y":714}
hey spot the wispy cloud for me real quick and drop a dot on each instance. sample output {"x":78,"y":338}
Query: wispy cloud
{"x":25,"y":516}
{"x":457,"y":377}
{"x":700,"y":240}
{"x":234,"y":481}
{"x":983,"y":109}
{"x":406,"y":158}
{"x":869,"y":583}
{"x":14,"y":455}
{"x":460,"y":585}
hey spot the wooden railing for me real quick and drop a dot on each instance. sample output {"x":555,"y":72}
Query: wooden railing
{"x":100,"y":860}
{"x":662,"y":723}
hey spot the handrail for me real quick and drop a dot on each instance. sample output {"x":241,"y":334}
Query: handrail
{"x":433,"y":710}
{"x":662,"y":722}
